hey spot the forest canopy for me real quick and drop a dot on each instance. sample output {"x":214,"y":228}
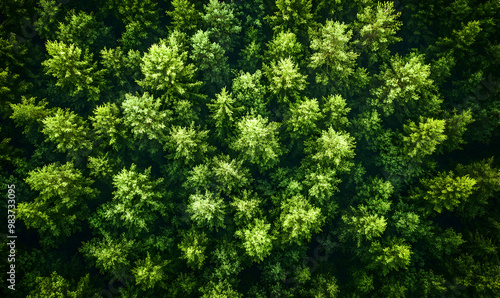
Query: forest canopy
{"x":223,"y":148}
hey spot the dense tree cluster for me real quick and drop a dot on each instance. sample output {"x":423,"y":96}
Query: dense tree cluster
{"x":288,"y":148}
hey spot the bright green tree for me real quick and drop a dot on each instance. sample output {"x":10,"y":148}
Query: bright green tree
{"x":144,"y":116}
{"x":304,"y":117}
{"x":405,"y":81}
{"x":184,"y":16}
{"x":284,"y":45}
{"x":55,"y":286}
{"x":136,"y":204}
{"x":165,"y":68}
{"x":256,"y":240}
{"x":299,"y":220}
{"x":257,"y":141}
{"x":61,"y":205}
{"x":445,"y":191}
{"x":285,"y":80}
{"x":187,"y":144}
{"x":333,"y":149}
{"x":150,"y":272}
{"x":68,"y":130}
{"x":332,"y":59}
{"x":193,"y":246}
{"x":377,"y":29}
{"x":207,"y":210}
{"x":422,"y":139}
{"x":73,"y":69}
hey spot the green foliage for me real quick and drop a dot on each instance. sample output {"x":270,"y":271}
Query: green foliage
{"x":404,"y":80}
{"x":257,"y":141}
{"x":57,"y":286}
{"x":187,"y":144}
{"x":192,"y":247}
{"x":108,"y":124}
{"x":294,"y":15}
{"x":331,"y":58}
{"x":110,"y":255}
{"x":285,"y":80}
{"x":332,"y":149}
{"x":184,"y":16}
{"x":144,"y":117}
{"x":377,"y":28}
{"x":137,"y":201}
{"x":82,"y":30}
{"x":73,"y":69}
{"x":165,"y":68}
{"x":222,"y":109}
{"x":284,"y":45}
{"x":256,"y":240}
{"x":423,"y":139}
{"x":251,"y":148}
{"x":221,"y":22}
{"x":299,"y":220}
{"x":68,"y":130}
{"x":207,"y":210}
{"x":210,"y":58}
{"x":304,"y":116}
{"x":445,"y":191}
{"x":250,"y":93}
{"x":150,"y":272}
{"x":61,"y":204}
{"x":395,"y":256}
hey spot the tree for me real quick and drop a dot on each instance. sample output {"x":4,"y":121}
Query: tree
{"x":192,"y":247}
{"x":304,"y":116}
{"x":185,"y":17}
{"x":250,"y":93}
{"x":111,"y":255}
{"x":395,"y":256}
{"x":293,"y":15}
{"x":136,"y":204}
{"x":108,"y":124}
{"x":60,"y":206}
{"x":210,"y":58}
{"x":150,"y":272}
{"x":377,"y":29}
{"x":405,"y":84}
{"x":257,"y":141}
{"x":144,"y":117}
{"x":82,"y":30}
{"x":165,"y":68}
{"x":221,"y":23}
{"x":68,"y":130}
{"x":331,"y":58}
{"x":222,"y":109}
{"x":456,"y":127}
{"x":423,"y":139}
{"x":299,"y":220}
{"x":57,"y":286}
{"x":332,"y":149}
{"x":230,"y":175}
{"x":364,"y":226}
{"x":72,"y":70}
{"x":285,"y":80}
{"x":335,"y":110}
{"x":445,"y":191}
{"x":487,"y":184}
{"x":284,"y":45}
{"x":256,"y":240}
{"x":187,"y":144}
{"x":207,"y":210}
